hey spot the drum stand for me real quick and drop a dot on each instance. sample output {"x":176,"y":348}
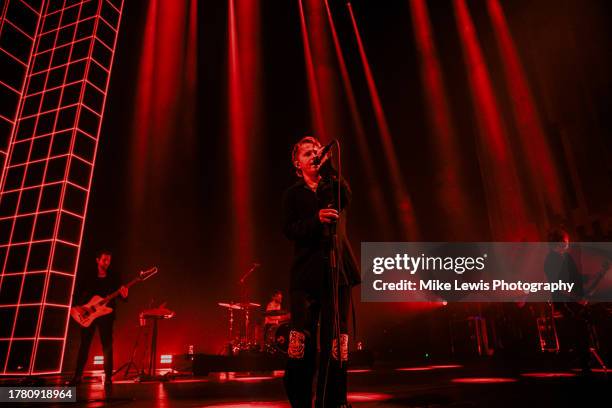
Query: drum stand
{"x":547,"y":330}
{"x":230,"y":343}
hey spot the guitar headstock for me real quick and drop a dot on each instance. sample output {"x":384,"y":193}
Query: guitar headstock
{"x":144,"y":275}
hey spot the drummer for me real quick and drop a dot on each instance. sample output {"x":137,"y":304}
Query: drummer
{"x":276,"y":303}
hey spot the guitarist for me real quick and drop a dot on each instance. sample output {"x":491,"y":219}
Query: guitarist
{"x":559,"y":265}
{"x":102,"y":284}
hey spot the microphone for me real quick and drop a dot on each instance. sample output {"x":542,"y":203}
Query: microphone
{"x":317,"y":160}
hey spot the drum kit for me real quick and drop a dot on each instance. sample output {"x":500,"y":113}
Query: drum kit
{"x":247,"y":335}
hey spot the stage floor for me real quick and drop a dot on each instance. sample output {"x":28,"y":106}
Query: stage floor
{"x":448,"y":385}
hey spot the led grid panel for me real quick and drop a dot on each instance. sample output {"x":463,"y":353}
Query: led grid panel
{"x":47,"y":178}
{"x":19,"y":20}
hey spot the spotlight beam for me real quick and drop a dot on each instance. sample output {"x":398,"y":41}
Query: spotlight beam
{"x":535,"y":147}
{"x":403,"y":200}
{"x":506,"y":208}
{"x":240,"y":163}
{"x":315,"y":101}
{"x":451,"y":189}
{"x":376,"y":195}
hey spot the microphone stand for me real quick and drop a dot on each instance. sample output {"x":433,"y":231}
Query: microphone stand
{"x":334,"y":267}
{"x":250,"y":271}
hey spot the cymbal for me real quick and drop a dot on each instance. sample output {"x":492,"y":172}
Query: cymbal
{"x":249,"y":305}
{"x":238,"y":306}
{"x":230,"y":305}
{"x":275,"y":312}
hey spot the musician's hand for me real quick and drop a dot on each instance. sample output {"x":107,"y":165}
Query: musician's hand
{"x":328,"y":215}
{"x":123,"y":291}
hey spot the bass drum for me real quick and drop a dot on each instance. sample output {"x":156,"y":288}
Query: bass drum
{"x":277,"y":338}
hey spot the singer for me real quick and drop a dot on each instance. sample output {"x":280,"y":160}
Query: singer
{"x":310,"y":220}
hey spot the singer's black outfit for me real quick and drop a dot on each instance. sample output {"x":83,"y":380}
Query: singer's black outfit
{"x":311,"y":294}
{"x":101,"y":287}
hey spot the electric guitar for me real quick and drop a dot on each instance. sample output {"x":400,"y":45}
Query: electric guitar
{"x":97,"y":306}
{"x":581,"y":307}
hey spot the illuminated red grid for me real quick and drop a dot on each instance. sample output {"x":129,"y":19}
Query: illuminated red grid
{"x":19,"y":20}
{"x":47,"y":179}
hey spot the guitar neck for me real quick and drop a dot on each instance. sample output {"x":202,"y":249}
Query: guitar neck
{"x":118,"y":291}
{"x":596,"y":281}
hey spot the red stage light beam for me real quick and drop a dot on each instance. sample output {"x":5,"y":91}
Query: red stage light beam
{"x":451,"y":184}
{"x":249,"y":51}
{"x":189,"y":118}
{"x":325,"y":69}
{"x":376,"y":194}
{"x":164,"y":104}
{"x":239,"y":113}
{"x":533,"y":140}
{"x":192,"y":47}
{"x":171,"y":28}
{"x":315,"y":101}
{"x":484,"y":380}
{"x":142,"y":130}
{"x":366,"y":397}
{"x":506,"y":208}
{"x":403,"y":200}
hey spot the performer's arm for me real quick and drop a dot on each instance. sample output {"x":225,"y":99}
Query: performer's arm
{"x":327,"y":170}
{"x":298,"y":228}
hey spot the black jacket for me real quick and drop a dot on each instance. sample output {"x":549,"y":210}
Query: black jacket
{"x":562,"y":267}
{"x":301,"y":205}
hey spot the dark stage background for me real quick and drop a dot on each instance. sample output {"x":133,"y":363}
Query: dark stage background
{"x":167,"y":200}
